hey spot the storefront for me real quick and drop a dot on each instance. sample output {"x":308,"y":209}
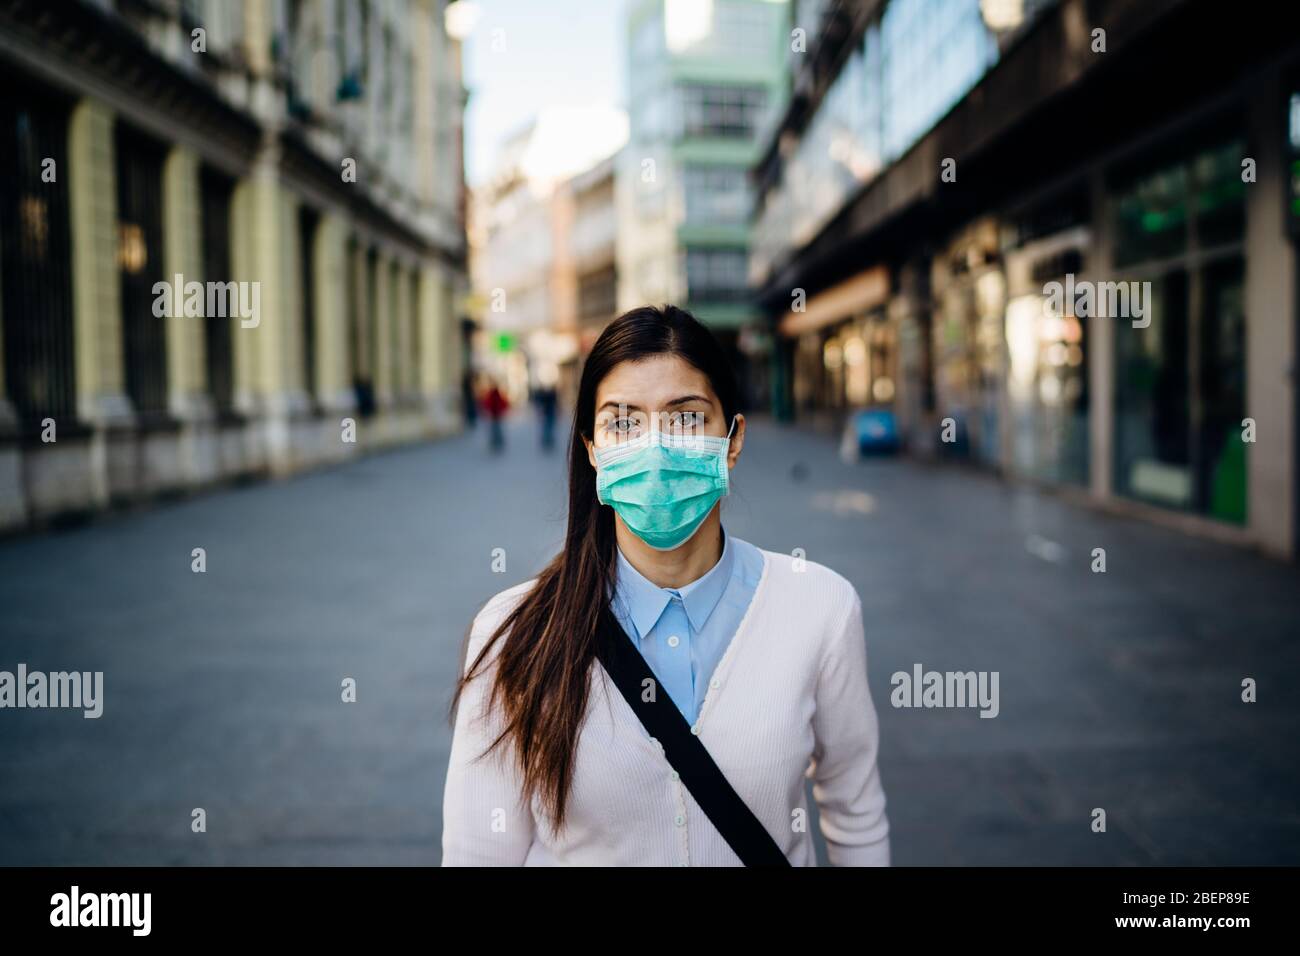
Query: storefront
{"x":1180,"y":369}
{"x":842,"y":350}
{"x":1048,"y":243}
{"x":969,"y":291}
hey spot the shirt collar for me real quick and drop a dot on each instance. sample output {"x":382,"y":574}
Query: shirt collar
{"x":645,"y":601}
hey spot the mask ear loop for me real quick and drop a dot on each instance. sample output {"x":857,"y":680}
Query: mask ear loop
{"x":733,"y":426}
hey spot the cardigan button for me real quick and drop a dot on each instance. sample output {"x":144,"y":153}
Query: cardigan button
{"x":696,"y":730}
{"x":679,"y":820}
{"x":676,"y":776}
{"x":715,"y":683}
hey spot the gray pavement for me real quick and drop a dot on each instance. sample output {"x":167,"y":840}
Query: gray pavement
{"x":1118,"y":690}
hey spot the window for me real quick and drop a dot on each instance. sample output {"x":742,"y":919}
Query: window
{"x":1181,"y":380}
{"x":597,"y":295}
{"x":215,"y":212}
{"x":933,"y":53}
{"x":307,"y":225}
{"x":356,"y":340}
{"x":738,"y":29}
{"x":35,"y":250}
{"x":720,"y":111}
{"x":716,"y":274}
{"x":716,"y":194}
{"x":368,"y":339}
{"x":139,"y":253}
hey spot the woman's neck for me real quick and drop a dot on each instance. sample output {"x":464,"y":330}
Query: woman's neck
{"x":680,"y":566}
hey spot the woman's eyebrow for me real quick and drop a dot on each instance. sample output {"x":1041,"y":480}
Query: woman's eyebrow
{"x":682,"y":400}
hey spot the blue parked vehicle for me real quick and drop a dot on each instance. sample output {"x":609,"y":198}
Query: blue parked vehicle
{"x":877,"y":432}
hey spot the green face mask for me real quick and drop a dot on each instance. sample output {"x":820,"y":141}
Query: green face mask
{"x":663,"y":485}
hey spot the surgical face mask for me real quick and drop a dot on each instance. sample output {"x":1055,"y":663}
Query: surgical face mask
{"x":663,"y":485}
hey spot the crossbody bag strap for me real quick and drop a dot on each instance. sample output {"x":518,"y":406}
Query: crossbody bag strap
{"x":684,"y":750}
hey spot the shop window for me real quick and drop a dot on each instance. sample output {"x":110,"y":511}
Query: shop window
{"x":1180,"y":381}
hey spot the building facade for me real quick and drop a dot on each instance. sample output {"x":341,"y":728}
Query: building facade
{"x":233,"y":241}
{"x":706,"y":81}
{"x":1053,"y":242}
{"x":543,"y":238}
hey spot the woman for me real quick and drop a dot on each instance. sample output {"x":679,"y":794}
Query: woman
{"x":760,"y":655}
{"x":495,"y":406}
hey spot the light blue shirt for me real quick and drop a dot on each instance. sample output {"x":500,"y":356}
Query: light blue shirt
{"x":684,"y":632}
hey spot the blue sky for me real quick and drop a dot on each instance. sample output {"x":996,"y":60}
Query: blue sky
{"x":556,"y":53}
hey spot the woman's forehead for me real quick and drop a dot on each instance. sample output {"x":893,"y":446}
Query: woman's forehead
{"x":653,"y":382}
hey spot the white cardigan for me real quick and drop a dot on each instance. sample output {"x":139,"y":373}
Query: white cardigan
{"x":788,"y":700}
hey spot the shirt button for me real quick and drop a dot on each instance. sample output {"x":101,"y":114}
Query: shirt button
{"x":674,"y":641}
{"x":679,"y":820}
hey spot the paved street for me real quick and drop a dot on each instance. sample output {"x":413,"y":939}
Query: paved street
{"x":1118,"y":691}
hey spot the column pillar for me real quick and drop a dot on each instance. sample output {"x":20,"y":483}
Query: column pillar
{"x":183,"y":256}
{"x":333,"y":350}
{"x":381,"y":329}
{"x":432,"y":338}
{"x":405,"y":376}
{"x":96,"y":282}
{"x":1271,"y":347}
{"x":1100,"y":337}
{"x":102,"y":402}
{"x":244,"y":340}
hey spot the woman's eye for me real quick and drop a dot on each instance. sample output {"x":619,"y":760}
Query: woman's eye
{"x":685,"y":421}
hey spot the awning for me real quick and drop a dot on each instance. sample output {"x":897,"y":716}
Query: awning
{"x":866,"y":290}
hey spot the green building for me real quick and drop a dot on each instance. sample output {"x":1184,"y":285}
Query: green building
{"x":707,"y":79}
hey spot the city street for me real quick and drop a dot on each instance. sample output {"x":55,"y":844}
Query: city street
{"x":1118,"y":690}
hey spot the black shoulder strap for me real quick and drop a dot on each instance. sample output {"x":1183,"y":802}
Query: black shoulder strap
{"x":684,"y":750}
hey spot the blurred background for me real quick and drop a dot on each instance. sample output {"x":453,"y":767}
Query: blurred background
{"x":441,"y":204}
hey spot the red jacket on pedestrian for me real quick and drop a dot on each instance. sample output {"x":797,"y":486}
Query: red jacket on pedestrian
{"x":495,"y":403}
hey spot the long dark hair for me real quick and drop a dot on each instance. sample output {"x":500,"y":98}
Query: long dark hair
{"x":550,"y":637}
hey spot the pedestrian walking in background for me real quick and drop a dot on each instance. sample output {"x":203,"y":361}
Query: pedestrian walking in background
{"x":709,"y":653}
{"x":495,"y":406}
{"x":546,"y":399}
{"x":469,"y":400}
